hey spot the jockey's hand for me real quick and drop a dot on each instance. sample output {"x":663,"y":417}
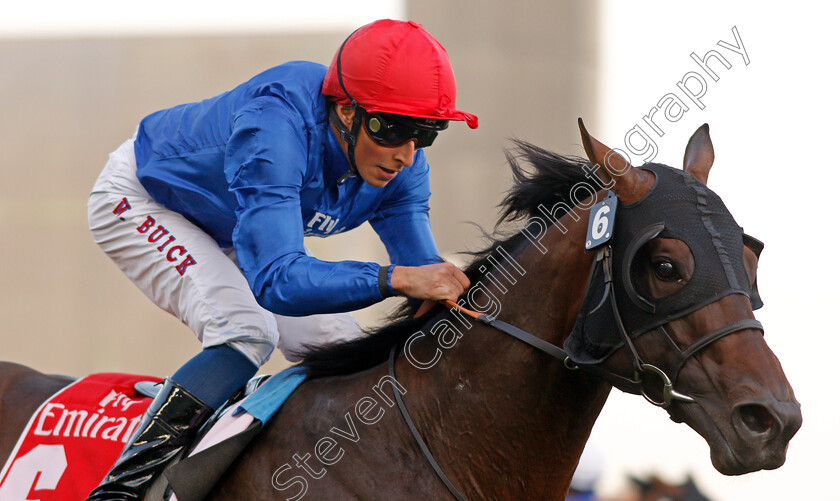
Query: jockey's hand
{"x":432,"y":281}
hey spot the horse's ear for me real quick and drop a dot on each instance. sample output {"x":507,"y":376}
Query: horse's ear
{"x":616,"y":173}
{"x":699,"y":154}
{"x":598,"y":154}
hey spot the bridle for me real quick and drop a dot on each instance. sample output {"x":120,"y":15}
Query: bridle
{"x":640,"y":367}
{"x":632,"y":384}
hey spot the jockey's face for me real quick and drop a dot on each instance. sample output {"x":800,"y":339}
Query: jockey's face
{"x":377,"y":164}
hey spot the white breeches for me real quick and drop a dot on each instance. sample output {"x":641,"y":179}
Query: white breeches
{"x":185,"y":272}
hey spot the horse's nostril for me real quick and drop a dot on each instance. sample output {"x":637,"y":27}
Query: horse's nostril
{"x":756,"y":418}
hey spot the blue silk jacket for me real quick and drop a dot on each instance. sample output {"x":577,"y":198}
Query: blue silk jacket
{"x":258,"y":167}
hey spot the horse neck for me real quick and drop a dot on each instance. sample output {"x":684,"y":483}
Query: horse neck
{"x":508,"y":406}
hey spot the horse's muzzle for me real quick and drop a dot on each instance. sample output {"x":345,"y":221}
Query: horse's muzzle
{"x":764,"y":428}
{"x":751,"y":435}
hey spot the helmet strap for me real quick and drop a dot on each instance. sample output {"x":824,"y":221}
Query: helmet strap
{"x":349,"y":136}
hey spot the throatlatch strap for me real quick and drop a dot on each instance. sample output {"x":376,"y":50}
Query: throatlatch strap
{"x":416,"y":433}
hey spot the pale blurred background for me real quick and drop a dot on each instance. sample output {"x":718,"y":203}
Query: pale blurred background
{"x":75,"y":79}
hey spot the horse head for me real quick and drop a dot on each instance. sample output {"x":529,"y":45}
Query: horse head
{"x":669,"y":310}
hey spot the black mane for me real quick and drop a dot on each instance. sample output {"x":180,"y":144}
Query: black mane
{"x":547,"y":180}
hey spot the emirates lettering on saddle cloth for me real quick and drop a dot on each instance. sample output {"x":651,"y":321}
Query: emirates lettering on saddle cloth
{"x":56,"y":419}
{"x":73,"y":438}
{"x":173,"y":253}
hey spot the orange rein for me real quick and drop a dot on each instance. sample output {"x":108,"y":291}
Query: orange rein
{"x":452,"y":305}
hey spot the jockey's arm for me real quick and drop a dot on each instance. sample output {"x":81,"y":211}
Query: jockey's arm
{"x":265,"y":166}
{"x":403,"y":225}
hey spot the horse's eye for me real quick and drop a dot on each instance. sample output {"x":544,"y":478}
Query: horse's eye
{"x":666,"y":271}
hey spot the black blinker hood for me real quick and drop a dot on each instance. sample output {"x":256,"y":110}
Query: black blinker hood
{"x":681,"y":207}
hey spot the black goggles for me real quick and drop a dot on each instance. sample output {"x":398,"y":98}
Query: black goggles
{"x":393,"y":130}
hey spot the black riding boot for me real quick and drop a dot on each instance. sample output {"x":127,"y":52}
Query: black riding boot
{"x":168,"y":425}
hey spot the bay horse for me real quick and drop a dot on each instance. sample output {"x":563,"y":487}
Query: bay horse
{"x":664,"y":311}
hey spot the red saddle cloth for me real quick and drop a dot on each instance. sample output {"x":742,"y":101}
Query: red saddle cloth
{"x":73,"y":439}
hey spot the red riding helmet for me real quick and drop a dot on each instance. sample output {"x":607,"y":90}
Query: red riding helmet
{"x":395,"y":67}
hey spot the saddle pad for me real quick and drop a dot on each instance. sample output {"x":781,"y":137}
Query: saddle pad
{"x":73,"y":439}
{"x":263,"y":403}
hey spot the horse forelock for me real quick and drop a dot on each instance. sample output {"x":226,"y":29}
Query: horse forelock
{"x":548,"y":178}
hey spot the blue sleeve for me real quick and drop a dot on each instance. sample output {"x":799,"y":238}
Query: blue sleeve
{"x":265,"y":164}
{"x":402,"y":221}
